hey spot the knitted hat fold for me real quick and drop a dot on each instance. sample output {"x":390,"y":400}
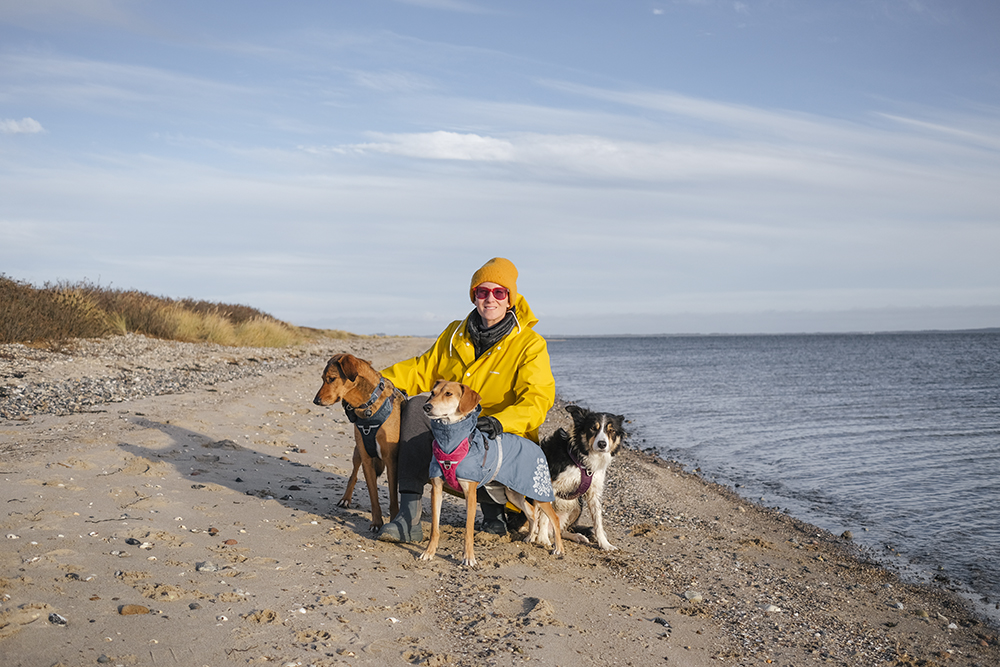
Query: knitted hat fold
{"x":498,"y":270}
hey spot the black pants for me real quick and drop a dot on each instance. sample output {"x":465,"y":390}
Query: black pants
{"x":414,"y":446}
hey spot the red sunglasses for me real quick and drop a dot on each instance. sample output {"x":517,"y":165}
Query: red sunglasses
{"x":499,"y":293}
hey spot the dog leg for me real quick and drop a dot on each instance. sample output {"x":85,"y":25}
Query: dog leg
{"x":345,"y":500}
{"x":594,"y":504}
{"x":551,"y":513}
{"x":390,"y":473}
{"x":371,"y":479}
{"x":530,"y":512}
{"x":567,"y":519}
{"x":470,"y":522}
{"x":437,"y":496}
{"x":543,"y":529}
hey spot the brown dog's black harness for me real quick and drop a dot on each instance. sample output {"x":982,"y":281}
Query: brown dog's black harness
{"x":586,"y":477}
{"x":368,"y":422}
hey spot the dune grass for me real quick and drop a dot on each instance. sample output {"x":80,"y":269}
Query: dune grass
{"x":57,"y":312}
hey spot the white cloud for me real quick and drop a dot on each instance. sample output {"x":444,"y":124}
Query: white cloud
{"x":23,"y":126}
{"x":442,"y":145}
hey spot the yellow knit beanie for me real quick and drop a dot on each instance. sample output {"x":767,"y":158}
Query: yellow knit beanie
{"x":498,"y":270}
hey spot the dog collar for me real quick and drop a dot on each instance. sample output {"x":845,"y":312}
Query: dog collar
{"x":365,"y":407}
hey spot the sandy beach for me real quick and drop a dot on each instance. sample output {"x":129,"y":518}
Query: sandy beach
{"x":200,"y":527}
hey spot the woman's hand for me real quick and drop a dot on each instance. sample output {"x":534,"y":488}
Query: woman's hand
{"x":491,"y":426}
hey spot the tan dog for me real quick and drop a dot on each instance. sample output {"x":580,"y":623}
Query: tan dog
{"x":366,"y":397}
{"x":450,"y":404}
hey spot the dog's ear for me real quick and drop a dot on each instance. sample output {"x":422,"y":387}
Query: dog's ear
{"x":349,"y":365}
{"x":577,"y":412}
{"x":470,"y":399}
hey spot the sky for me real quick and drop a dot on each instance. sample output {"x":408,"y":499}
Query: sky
{"x":654,"y":166}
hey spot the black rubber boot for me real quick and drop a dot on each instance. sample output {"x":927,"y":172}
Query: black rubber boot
{"x":406,"y":526}
{"x":493,"y":516}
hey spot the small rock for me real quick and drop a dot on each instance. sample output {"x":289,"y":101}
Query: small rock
{"x":133,"y":542}
{"x":230,"y":542}
{"x":847,"y":535}
{"x":659,"y":620}
{"x":56,"y":619}
{"x":132,"y":610}
{"x":771,"y":608}
{"x":693,"y":596}
{"x":194,"y":605}
{"x":207,"y":566}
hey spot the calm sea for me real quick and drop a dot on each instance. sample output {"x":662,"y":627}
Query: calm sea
{"x":895,"y":437}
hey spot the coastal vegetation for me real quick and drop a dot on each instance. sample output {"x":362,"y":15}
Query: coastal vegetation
{"x":59,"y":311}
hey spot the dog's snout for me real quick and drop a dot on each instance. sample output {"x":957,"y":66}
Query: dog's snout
{"x":428,"y":407}
{"x":317,"y":400}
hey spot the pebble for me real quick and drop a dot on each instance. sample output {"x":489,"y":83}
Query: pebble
{"x":56,"y":619}
{"x":133,"y":610}
{"x":693,"y":596}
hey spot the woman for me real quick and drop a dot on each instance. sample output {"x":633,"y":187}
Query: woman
{"x":496,"y":352}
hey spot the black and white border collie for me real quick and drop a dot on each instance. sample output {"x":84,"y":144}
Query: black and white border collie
{"x":578,"y":463}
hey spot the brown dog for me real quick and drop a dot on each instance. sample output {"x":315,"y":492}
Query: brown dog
{"x":368,"y":398}
{"x":452,"y":403}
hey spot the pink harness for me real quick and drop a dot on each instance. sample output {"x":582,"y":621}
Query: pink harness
{"x":449,"y":462}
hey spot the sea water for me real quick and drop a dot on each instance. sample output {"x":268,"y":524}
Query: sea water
{"x":894,"y":437}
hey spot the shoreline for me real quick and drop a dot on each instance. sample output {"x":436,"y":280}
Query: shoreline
{"x":702,"y":576}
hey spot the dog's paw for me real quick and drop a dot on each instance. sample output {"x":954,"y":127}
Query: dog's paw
{"x":375,"y":527}
{"x":344,"y":502}
{"x":576,"y":537}
{"x":469,"y":562}
{"x":607,"y":546}
{"x":426,"y":556}
{"x":558,"y":552}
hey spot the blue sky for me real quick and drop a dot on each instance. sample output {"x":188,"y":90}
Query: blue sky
{"x":674,"y":166}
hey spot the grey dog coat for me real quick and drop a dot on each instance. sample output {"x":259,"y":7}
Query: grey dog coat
{"x":517,"y":463}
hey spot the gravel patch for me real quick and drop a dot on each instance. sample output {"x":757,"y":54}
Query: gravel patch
{"x":82,"y":374}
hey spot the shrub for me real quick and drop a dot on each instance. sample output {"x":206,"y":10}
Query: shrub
{"x":54,"y":313}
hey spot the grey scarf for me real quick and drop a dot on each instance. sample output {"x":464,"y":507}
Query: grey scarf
{"x":483,"y":338}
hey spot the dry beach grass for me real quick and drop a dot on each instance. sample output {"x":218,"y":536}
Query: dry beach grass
{"x":184,"y":514}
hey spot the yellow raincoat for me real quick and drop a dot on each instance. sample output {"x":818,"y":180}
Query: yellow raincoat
{"x":514,"y":377}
